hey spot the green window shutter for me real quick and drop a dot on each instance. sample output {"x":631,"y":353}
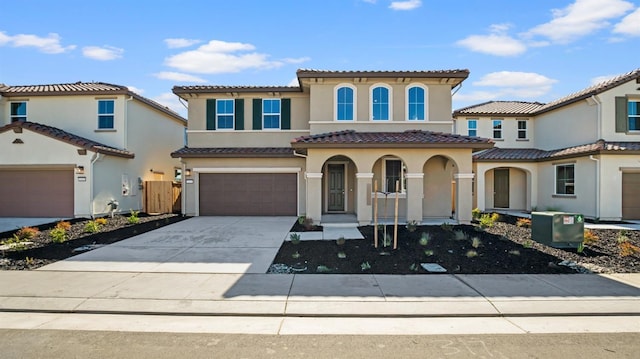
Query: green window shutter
{"x":257,"y":114}
{"x":211,"y":114}
{"x":239,"y":118}
{"x":622,"y":118}
{"x":285,"y":114}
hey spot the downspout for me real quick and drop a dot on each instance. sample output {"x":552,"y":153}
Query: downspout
{"x":597,"y":185}
{"x":126,"y":122}
{"x":183,"y":179}
{"x":95,"y":158}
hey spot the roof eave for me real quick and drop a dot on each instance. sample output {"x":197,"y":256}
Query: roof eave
{"x":474,"y":146}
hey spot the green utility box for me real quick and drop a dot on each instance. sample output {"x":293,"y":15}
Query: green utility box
{"x":557,"y":229}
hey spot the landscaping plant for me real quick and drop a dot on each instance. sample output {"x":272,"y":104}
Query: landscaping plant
{"x":133,"y":217}
{"x":27,"y":233}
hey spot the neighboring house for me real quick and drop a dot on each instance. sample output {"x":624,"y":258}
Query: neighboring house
{"x":323,"y":146}
{"x":67,"y":150}
{"x":580,"y":153}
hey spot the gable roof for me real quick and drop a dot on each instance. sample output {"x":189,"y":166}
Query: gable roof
{"x":536,"y":155}
{"x":410,"y":138}
{"x":515,"y":108}
{"x":84,"y":88}
{"x":232,"y":152}
{"x":67,"y":137}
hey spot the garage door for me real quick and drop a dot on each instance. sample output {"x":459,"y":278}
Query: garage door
{"x":248,"y":194}
{"x":631,"y":195}
{"x":36,"y":193}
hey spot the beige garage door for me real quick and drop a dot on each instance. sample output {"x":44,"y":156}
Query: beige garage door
{"x":36,"y":193}
{"x":248,"y":194}
{"x":631,"y":195}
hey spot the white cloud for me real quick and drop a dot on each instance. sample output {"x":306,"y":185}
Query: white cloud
{"x":139,"y":91}
{"x":48,"y":45}
{"x":178,"y":43}
{"x":294,"y":82}
{"x":598,"y":79}
{"x":514,"y":79}
{"x":178,"y":76}
{"x":579,"y":19}
{"x":497,"y":43}
{"x":630,"y":24}
{"x":217,"y":57}
{"x":509,"y":85}
{"x":369,"y":1}
{"x":171,"y":101}
{"x":405,"y":5}
{"x":298,"y":60}
{"x":105,"y":53}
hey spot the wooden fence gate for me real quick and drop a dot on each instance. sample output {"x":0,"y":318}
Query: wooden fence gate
{"x":162,"y":197}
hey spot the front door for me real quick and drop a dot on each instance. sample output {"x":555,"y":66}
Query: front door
{"x":501,"y":188}
{"x":336,"y":187}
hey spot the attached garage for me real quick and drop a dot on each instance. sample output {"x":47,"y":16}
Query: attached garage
{"x":248,"y":194}
{"x":37,"y":193}
{"x":631,"y":195}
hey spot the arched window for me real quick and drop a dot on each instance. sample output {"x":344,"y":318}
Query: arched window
{"x":345,"y":109}
{"x":380,"y":103}
{"x":416,"y":103}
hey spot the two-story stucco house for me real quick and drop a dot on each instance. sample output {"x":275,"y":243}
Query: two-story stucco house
{"x":580,"y":153}
{"x":68,"y":150}
{"x":325,"y":146}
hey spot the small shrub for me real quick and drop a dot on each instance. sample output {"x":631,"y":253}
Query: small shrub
{"x":523,"y":222}
{"x":496,"y":217}
{"x":459,"y":235}
{"x":92,"y":227}
{"x":29,"y":261}
{"x":428,"y":252}
{"x":27,"y":232}
{"x":475,"y":213}
{"x":412,"y":226}
{"x":307,"y":223}
{"x":64,"y":225}
{"x":514,"y":252}
{"x":295,"y":255}
{"x":622,"y":237}
{"x":528,"y":243}
{"x":486,"y":221}
{"x":342,"y":255}
{"x":365,"y":266}
{"x":58,"y":235}
{"x":471,"y":253}
{"x":590,"y":238}
{"x":424,"y":238}
{"x":628,"y":249}
{"x":133,"y":217}
{"x":340,"y":241}
{"x":447,"y":227}
{"x":414,"y":267}
{"x":301,"y":219}
{"x":101,"y":221}
{"x":475,"y":242}
{"x":386,"y":240}
{"x":295,"y":238}
{"x":16,"y":243}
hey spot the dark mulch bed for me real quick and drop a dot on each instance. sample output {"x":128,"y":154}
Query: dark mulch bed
{"x":43,"y":251}
{"x":504,"y":248}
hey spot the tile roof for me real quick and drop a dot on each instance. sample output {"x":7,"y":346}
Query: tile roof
{"x":410,"y":138}
{"x":463,"y":73}
{"x":536,"y":155}
{"x":69,"y":138}
{"x":224,"y":89}
{"x":509,"y":108}
{"x":84,"y":88}
{"x":187,"y":152}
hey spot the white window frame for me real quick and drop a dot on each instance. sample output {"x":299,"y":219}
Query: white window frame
{"x":493,"y":130}
{"x":555,"y":179}
{"x":390,"y":114}
{"x":264,"y":128}
{"x":403,"y":171}
{"x":470,"y":120}
{"x":355,"y":102}
{"x":233,"y":115}
{"x":425,"y":101}
{"x":524,"y":130}
{"x":15,"y":118}
{"x":113,"y":114}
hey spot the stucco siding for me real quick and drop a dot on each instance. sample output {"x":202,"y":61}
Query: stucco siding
{"x":585,"y":188}
{"x":572,"y":125}
{"x":612,"y":167}
{"x":607,"y":99}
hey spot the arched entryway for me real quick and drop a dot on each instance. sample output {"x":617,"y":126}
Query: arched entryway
{"x":507,"y":188}
{"x":339,"y":185}
{"x":439,"y":187}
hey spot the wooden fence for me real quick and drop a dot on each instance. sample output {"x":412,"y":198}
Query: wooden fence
{"x":162,"y":197}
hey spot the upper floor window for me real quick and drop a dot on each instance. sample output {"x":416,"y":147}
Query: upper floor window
{"x":271,"y":114}
{"x":345,"y":109}
{"x":224,"y":114}
{"x":394,"y":171}
{"x":497,"y":128}
{"x":415,"y":103}
{"x":472,"y":127}
{"x":18,"y":111}
{"x":522,"y":129}
{"x":380,"y":105}
{"x":633,"y":111}
{"x":565,"y":175}
{"x":105,"y":114}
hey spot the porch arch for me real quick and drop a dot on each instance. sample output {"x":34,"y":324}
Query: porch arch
{"x":522,"y":186}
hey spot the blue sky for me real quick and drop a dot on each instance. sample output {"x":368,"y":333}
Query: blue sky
{"x":516,"y":50}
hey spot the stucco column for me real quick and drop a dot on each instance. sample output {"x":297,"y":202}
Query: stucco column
{"x":364,"y":204}
{"x":480,"y":189}
{"x":464,"y":197}
{"x":314,"y":196}
{"x":415,"y":194}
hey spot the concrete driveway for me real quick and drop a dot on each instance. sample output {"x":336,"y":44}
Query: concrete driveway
{"x":196,"y":245}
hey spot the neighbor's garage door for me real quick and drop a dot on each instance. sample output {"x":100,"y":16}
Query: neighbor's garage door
{"x":631,"y":195}
{"x":248,"y":194}
{"x":36,"y":193}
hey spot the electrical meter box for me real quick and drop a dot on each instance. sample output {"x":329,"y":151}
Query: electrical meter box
{"x":557,"y":229}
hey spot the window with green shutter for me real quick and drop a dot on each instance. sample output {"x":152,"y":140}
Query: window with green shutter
{"x":211,"y":114}
{"x":239,"y":115}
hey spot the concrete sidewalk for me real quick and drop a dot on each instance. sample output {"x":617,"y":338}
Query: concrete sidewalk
{"x":314,"y":295}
